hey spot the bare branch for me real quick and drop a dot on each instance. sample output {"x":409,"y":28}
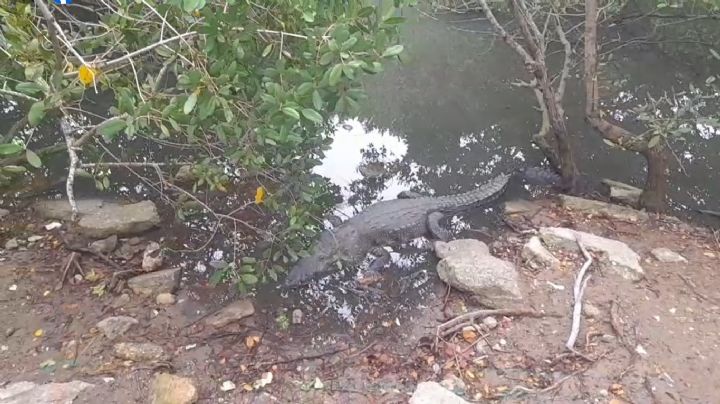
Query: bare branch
{"x":567,"y":61}
{"x":529,"y":60}
{"x":144,"y":50}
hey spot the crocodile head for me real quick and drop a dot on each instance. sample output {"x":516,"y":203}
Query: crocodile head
{"x":320,"y":261}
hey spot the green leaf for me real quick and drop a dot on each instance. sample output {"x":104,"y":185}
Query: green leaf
{"x":335,"y":74}
{"x":216,"y":278}
{"x":190,"y":103}
{"x":14,"y":169}
{"x":393,"y":51}
{"x":394,"y":20}
{"x":33,"y":158}
{"x":347,"y":45}
{"x":36,"y":113}
{"x":312,"y":115}
{"x":304,"y":88}
{"x":291,"y":112}
{"x":249,"y":279}
{"x":29,"y":88}
{"x":249,"y":260}
{"x":267,"y":50}
{"x":7,"y":149}
{"x":109,"y":129}
{"x":191,"y":5}
{"x":326,"y":58}
{"x":106,"y":182}
{"x":317,"y":100}
{"x":654,"y":141}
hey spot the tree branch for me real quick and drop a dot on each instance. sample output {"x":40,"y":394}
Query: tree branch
{"x":567,"y":61}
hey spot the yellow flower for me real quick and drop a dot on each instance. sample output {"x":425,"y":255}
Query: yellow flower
{"x":86,"y":75}
{"x":260,"y":195}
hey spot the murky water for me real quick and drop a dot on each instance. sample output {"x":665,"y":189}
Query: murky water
{"x":444,"y":122}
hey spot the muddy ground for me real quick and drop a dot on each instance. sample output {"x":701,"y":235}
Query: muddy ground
{"x":652,"y":341}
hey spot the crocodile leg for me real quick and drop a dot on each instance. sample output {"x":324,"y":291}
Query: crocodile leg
{"x":382,"y":258}
{"x":435,"y":229}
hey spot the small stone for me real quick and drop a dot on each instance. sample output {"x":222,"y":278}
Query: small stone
{"x":227,"y":385}
{"x":607,"y":338}
{"x":265,"y":379}
{"x":154,"y":283}
{"x":667,"y":255}
{"x":318,"y":385}
{"x":165,"y":299}
{"x":114,"y":327}
{"x":106,"y":245}
{"x":4,"y":212}
{"x":12,"y":287}
{"x":535,"y":253}
{"x":232,"y":312}
{"x":53,"y":226}
{"x":461,"y":246}
{"x":152,"y":257}
{"x":454,"y":384}
{"x":297,"y":316}
{"x":34,"y":239}
{"x":10,"y":331}
{"x":139,"y":351}
{"x":171,"y":389}
{"x":640,"y":350}
{"x":11,"y":244}
{"x":490,"y":322}
{"x":69,"y":349}
{"x":434,"y":393}
{"x":134,"y":240}
{"x":185,"y":175}
{"x":591,"y":311}
{"x":121,"y":301}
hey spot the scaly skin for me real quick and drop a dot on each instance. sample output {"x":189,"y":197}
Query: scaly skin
{"x":385,"y":223}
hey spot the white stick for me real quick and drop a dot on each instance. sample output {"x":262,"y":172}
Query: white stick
{"x":578,"y":291}
{"x":67,"y":131}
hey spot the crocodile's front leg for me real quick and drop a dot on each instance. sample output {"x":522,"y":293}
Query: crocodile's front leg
{"x":435,"y":229}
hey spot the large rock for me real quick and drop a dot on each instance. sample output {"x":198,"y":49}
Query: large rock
{"x":622,"y":192}
{"x":113,"y":327}
{"x":434,"y":393}
{"x":171,"y":389}
{"x":667,"y":255}
{"x":106,"y":245}
{"x":50,"y":393}
{"x":100,"y":219}
{"x":603,"y":209}
{"x":468,"y":266}
{"x":154,"y":283}
{"x":139,"y":351}
{"x":444,"y":250}
{"x":521,"y":206}
{"x":617,"y":256}
{"x":536,"y":255}
{"x":233,"y":312}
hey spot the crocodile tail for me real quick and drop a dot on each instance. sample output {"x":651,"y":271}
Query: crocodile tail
{"x":482,"y":194}
{"x":541,"y":176}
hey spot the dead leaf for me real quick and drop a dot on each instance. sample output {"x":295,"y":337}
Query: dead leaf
{"x":251,"y":341}
{"x":469,"y":334}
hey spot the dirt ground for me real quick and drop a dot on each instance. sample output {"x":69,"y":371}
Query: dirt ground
{"x":652,"y":341}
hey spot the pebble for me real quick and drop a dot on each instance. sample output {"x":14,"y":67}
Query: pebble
{"x":318,"y":384}
{"x":139,"y":351}
{"x":69,"y":349}
{"x":114,"y":327}
{"x":12,"y":287}
{"x":171,"y":389}
{"x":165,"y":299}
{"x":227,"y":385}
{"x":607,"y":338}
{"x":53,"y":226}
{"x":297,"y":316}
{"x":11,"y":244}
{"x":121,"y":301}
{"x":34,"y":239}
{"x":490,"y":322}
{"x":591,"y":311}
{"x":4,"y":212}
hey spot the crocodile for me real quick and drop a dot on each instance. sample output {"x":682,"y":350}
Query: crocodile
{"x":386,"y":223}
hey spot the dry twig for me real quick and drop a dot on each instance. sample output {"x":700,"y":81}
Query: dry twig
{"x":578,"y":291}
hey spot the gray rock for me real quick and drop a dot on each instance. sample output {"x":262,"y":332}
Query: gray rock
{"x":50,"y":393}
{"x":603,"y":209}
{"x":434,"y":393}
{"x":490,"y":322}
{"x":622,"y":192}
{"x":171,"y":389}
{"x":591,"y":311}
{"x":667,"y":255}
{"x":106,"y":245}
{"x":11,"y":244}
{"x":34,"y":239}
{"x":113,"y":327}
{"x":127,"y":250}
{"x":617,"y":256}
{"x":165,"y":299}
{"x":139,"y":351}
{"x":152,"y":257}
{"x":523,"y":206}
{"x":468,"y":266}
{"x":444,"y":250}
{"x":185,"y":175}
{"x":233,"y":312}
{"x":154,"y":283}
{"x":100,"y":219}
{"x":297,"y":316}
{"x":4,"y":212}
{"x":454,"y":384}
{"x":535,"y":254}
{"x":120,"y":301}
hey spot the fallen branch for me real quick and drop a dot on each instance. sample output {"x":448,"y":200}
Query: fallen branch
{"x":547,"y":389}
{"x":67,"y":131}
{"x":578,"y":292}
{"x":456,"y":324}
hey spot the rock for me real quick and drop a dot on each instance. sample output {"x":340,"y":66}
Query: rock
{"x":152,"y":257}
{"x":490,"y":322}
{"x":11,"y":244}
{"x":139,"y":351}
{"x":297,"y":316}
{"x":622,"y":192}
{"x":165,"y":299}
{"x":154,"y":283}
{"x":233,"y":312}
{"x":469,"y":267}
{"x":34,"y":239}
{"x":444,"y":250}
{"x":434,"y":393}
{"x":127,"y":250}
{"x":50,"y":393}
{"x":113,"y":327}
{"x":453,"y":384}
{"x":69,"y":349}
{"x":134,"y":240}
{"x":121,"y":301}
{"x":100,"y":219}
{"x":603,"y":209}
{"x":106,"y":245}
{"x":591,"y":311}
{"x":618,"y":257}
{"x":667,"y":255}
{"x":535,"y":253}
{"x":185,"y":175}
{"x":4,"y":212}
{"x":521,"y":206}
{"x":171,"y":389}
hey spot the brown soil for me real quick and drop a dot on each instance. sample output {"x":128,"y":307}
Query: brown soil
{"x":671,"y":317}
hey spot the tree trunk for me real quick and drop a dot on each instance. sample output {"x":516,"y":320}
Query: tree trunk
{"x":654,"y":195}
